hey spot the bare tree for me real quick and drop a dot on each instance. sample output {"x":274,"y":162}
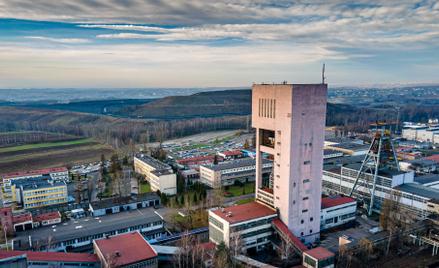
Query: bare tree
{"x":182,"y":258}
{"x":365,"y":248}
{"x":235,"y":247}
{"x":160,"y":133}
{"x":50,"y":242}
{"x":90,"y":187}
{"x":111,"y":261}
{"x":187,"y":210}
{"x":219,"y":197}
{"x":286,"y":253}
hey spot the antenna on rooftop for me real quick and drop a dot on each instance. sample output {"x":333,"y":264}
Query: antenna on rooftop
{"x":323,"y":74}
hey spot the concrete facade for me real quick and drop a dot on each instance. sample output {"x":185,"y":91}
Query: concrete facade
{"x":290,"y":125}
{"x":165,"y":181}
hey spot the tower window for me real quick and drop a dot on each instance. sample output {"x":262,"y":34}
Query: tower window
{"x":310,"y":231}
{"x":301,"y":233}
{"x":294,"y":202}
{"x":305,"y":198}
{"x":307,"y":162}
{"x":311,"y":219}
{"x":302,"y":221}
{"x":304,"y":211}
{"x":294,"y":184}
{"x":305,"y":181}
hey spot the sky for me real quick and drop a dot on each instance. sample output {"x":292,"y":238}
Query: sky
{"x":199,"y":43}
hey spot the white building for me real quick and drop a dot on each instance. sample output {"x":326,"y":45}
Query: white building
{"x":340,"y":180}
{"x":59,"y":173}
{"x":337,"y":210}
{"x":421,"y":132}
{"x":252,"y":221}
{"x":163,"y":180}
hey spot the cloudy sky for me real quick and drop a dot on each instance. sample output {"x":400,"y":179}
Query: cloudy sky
{"x":199,"y":43}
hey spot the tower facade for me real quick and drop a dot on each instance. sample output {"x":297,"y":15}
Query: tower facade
{"x":290,"y":127}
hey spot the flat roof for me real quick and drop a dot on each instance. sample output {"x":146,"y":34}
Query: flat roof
{"x":419,"y":190}
{"x":433,"y":157}
{"x":428,"y":178}
{"x":161,"y":172}
{"x":22,"y":218}
{"x":90,"y":226}
{"x":132,"y":247}
{"x":244,"y":212}
{"x":46,"y":216}
{"x":344,"y":160}
{"x":108,"y":203}
{"x":190,"y":171}
{"x":350,"y":146}
{"x":196,"y":159}
{"x":153,"y":162}
{"x":237,"y":164}
{"x":320,"y":253}
{"x":51,"y":256}
{"x":422,"y":161}
{"x":337,"y":200}
{"x":388,"y":173}
{"x":331,"y":151}
{"x":231,"y":153}
{"x":34,"y":183}
{"x":34,"y":172}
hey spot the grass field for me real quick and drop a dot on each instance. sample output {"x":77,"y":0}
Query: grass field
{"x":145,"y":188}
{"x":15,"y":132}
{"x":237,"y":191}
{"x":245,"y":201}
{"x":41,"y":145}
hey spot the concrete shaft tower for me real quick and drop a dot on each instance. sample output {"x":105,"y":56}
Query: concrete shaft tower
{"x":290,"y":127}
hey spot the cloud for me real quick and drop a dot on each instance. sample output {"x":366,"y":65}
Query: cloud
{"x":62,"y":40}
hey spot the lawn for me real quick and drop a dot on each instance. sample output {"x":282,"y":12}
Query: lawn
{"x":41,"y":145}
{"x":15,"y":132}
{"x":145,"y":188}
{"x":245,"y":201}
{"x":237,"y":191}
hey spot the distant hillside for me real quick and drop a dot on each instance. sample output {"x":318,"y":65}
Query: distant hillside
{"x":227,"y":102}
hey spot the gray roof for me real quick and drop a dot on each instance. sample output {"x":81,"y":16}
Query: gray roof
{"x":388,"y":173}
{"x":236,"y":164}
{"x":91,"y":226}
{"x":108,"y":203}
{"x":165,"y":250}
{"x":160,"y":172}
{"x":422,"y":161}
{"x":153,"y":162}
{"x":37,"y":183}
{"x":344,"y":160}
{"x":419,"y":190}
{"x":429,"y":178}
{"x":331,"y":151}
{"x":351,"y":146}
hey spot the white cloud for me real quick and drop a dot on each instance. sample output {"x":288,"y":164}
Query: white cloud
{"x":61,"y":40}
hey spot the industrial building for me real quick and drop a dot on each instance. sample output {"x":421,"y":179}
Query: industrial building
{"x":197,"y":161}
{"x":329,"y":153}
{"x":290,"y":125}
{"x":231,"y":155}
{"x":226,"y":173}
{"x":111,"y":206}
{"x":349,"y":148}
{"x":337,"y":210}
{"x":428,"y":133}
{"x":158,"y":174}
{"x":38,"y":192}
{"x":341,"y":180}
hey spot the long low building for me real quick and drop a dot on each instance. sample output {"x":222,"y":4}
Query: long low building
{"x":340,"y":180}
{"x":226,"y":173}
{"x":111,"y":206}
{"x":337,"y":210}
{"x":158,"y":174}
{"x":39,"y":259}
{"x":77,"y":235}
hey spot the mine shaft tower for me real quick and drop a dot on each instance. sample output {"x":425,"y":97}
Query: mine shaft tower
{"x":381,"y":155}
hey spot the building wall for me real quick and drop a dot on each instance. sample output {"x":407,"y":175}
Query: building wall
{"x":44,"y":196}
{"x":337,"y":215}
{"x":143,"y":168}
{"x":433,"y":208}
{"x":342,"y":184}
{"x":165,"y":183}
{"x":298,"y":122}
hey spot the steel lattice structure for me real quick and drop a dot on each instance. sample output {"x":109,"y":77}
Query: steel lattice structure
{"x":380,"y":156}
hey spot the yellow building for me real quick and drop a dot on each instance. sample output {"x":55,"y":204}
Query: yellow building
{"x":145,"y":165}
{"x":38,"y":192}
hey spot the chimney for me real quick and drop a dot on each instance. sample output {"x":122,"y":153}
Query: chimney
{"x":224,"y":210}
{"x":117,"y":254}
{"x":107,"y":236}
{"x":230,"y":214}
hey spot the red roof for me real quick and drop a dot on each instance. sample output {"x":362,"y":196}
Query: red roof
{"x":290,"y":235}
{"x":47,"y":216}
{"x":34,"y":172}
{"x":337,"y":200}
{"x":433,"y":157}
{"x":231,"y":153}
{"x":22,"y":218}
{"x":209,"y":245}
{"x":198,"y":159}
{"x":320,"y":253}
{"x":245,"y":212}
{"x":51,"y":256}
{"x":132,"y":248}
{"x":268,"y":190}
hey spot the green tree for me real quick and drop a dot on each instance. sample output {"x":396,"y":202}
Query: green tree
{"x":159,"y":193}
{"x":254,"y":141}
{"x":182,"y":199}
{"x":195,"y":198}
{"x":205,"y":193}
{"x":246,"y":145}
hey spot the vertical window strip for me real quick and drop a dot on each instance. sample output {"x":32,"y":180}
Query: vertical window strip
{"x":259,"y":107}
{"x":271,"y":108}
{"x":274,"y":109}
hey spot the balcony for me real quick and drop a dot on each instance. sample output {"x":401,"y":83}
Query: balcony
{"x":266,"y":138}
